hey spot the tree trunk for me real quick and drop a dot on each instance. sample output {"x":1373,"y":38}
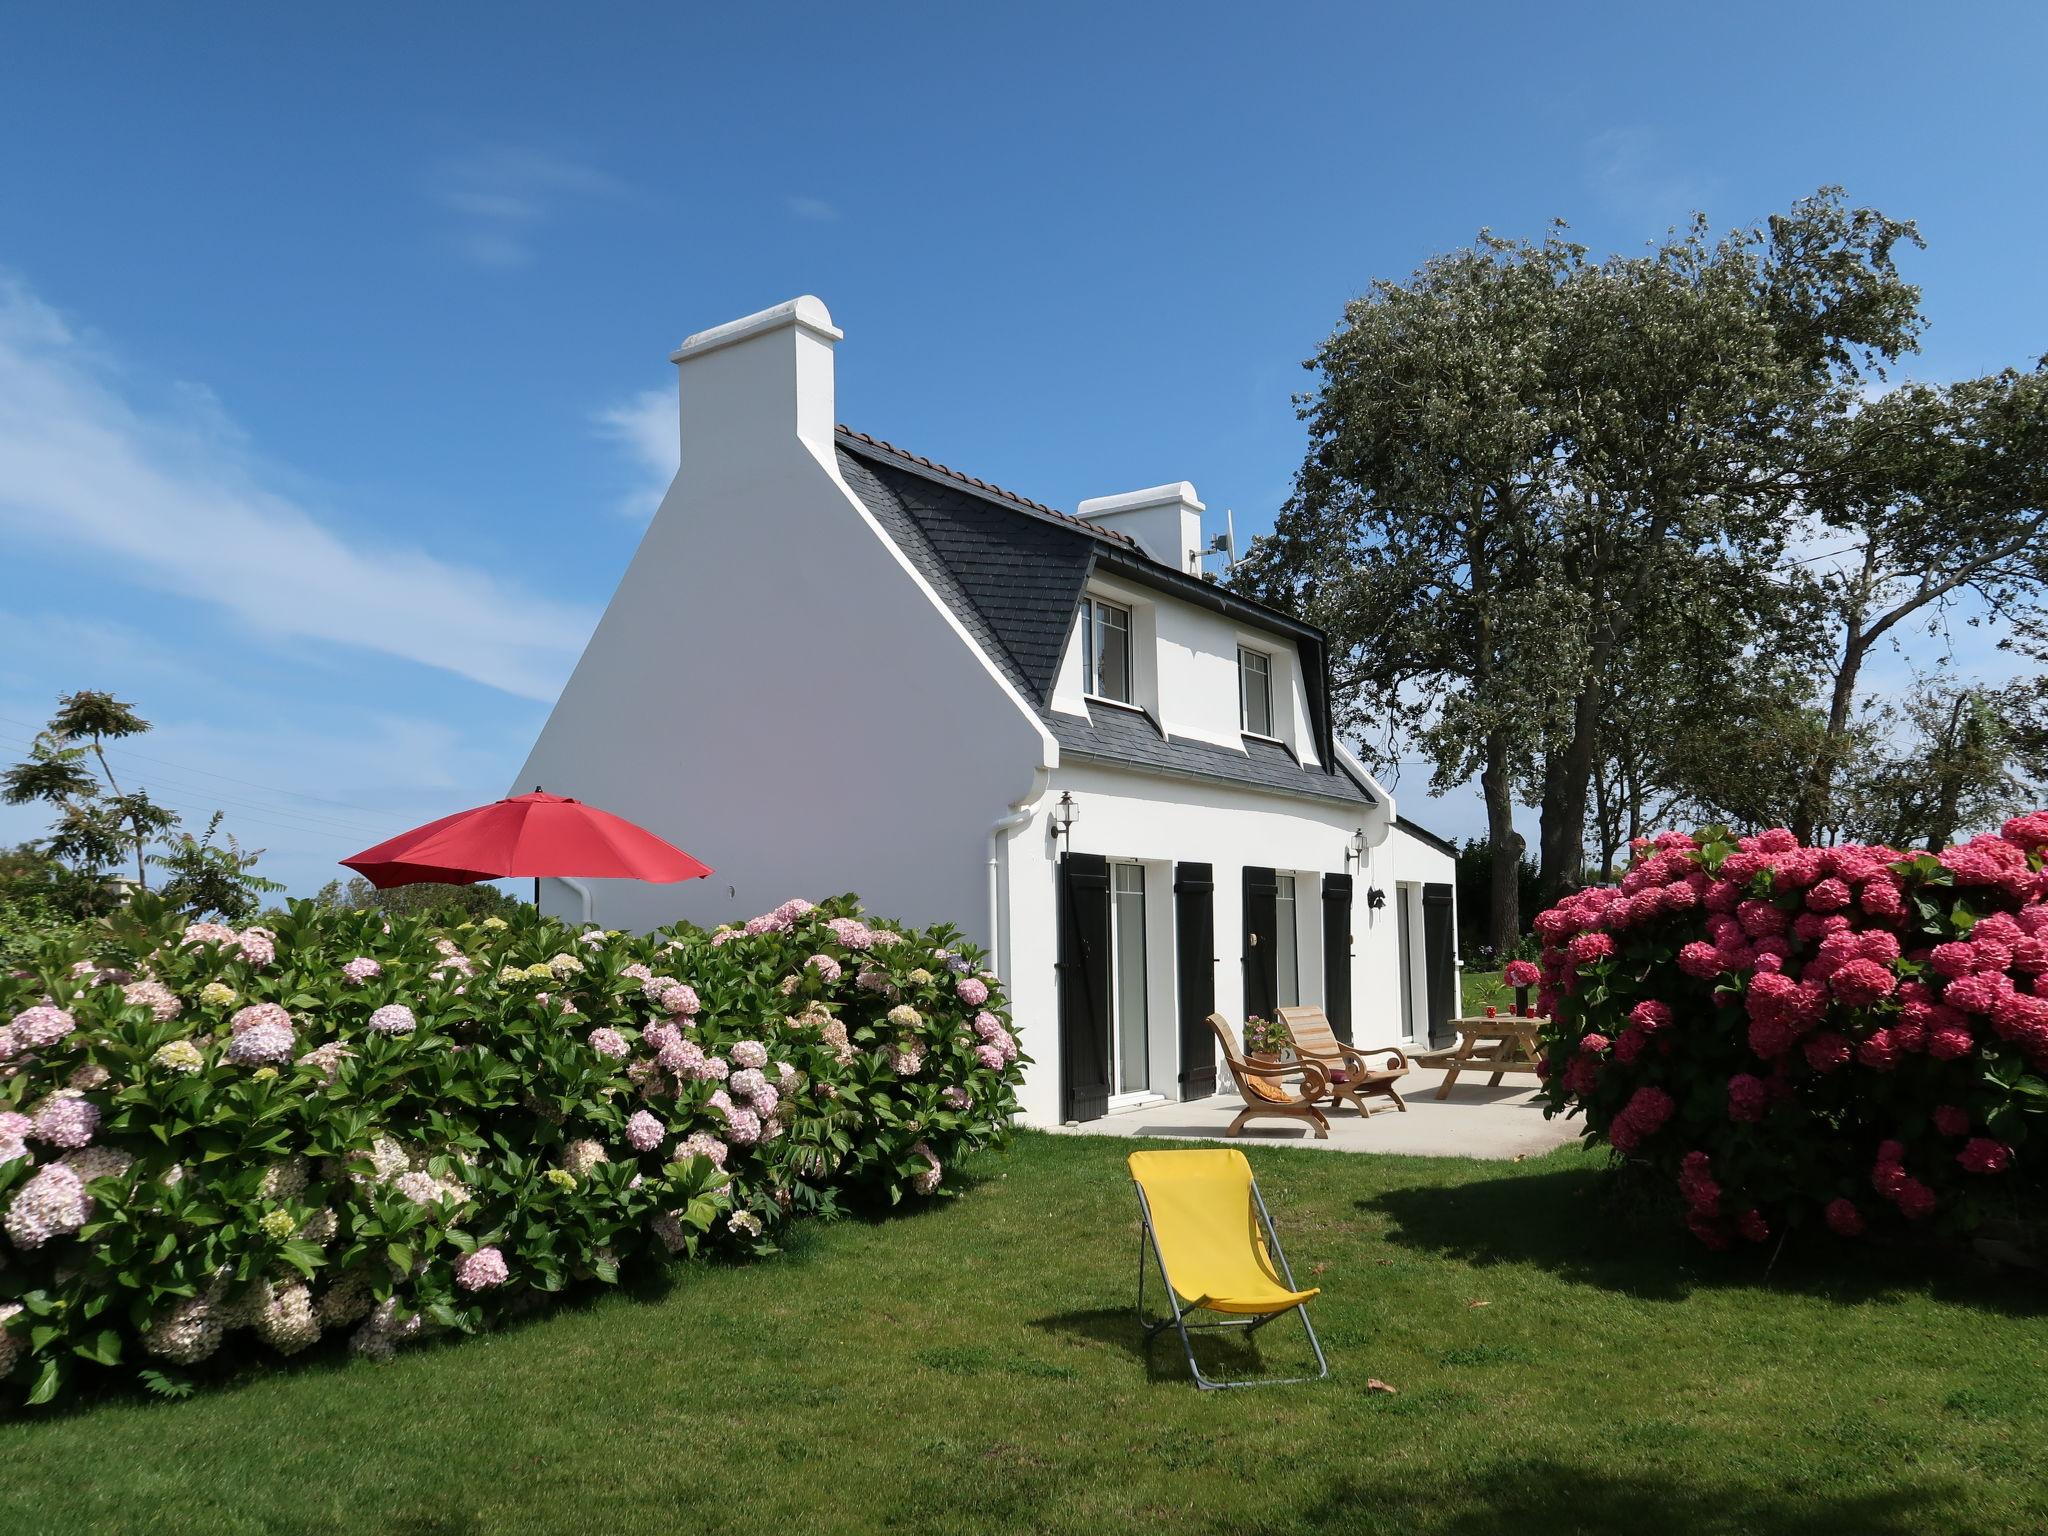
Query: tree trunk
{"x":1504,"y":846}
{"x":1567,"y":780}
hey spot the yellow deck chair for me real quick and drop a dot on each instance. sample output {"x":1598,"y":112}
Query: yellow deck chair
{"x":1203,"y":1216}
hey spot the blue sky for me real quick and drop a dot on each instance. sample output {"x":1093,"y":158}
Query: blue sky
{"x":333,"y":344}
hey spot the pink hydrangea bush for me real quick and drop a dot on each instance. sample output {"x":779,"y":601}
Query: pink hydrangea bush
{"x":218,"y":1146}
{"x":1849,"y":1037}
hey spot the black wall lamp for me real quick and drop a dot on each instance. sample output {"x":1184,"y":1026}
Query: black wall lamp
{"x":1064,"y":814}
{"x":1354,"y":850}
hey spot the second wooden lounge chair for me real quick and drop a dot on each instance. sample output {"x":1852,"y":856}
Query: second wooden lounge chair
{"x":1351,"y":1070}
{"x":1263,"y":1089}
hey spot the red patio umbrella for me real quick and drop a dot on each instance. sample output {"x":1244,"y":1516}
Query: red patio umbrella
{"x":538,"y":835}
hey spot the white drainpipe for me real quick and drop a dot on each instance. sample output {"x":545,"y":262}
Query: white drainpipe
{"x":589,"y":898}
{"x":1020,"y":813}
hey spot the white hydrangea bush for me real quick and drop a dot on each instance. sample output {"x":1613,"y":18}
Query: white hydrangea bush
{"x":222,"y":1146}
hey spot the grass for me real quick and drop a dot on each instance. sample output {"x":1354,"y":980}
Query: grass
{"x":1482,"y":989}
{"x":974,"y":1368}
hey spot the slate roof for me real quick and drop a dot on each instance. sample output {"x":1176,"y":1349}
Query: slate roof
{"x":1013,"y":571}
{"x":1129,"y":738}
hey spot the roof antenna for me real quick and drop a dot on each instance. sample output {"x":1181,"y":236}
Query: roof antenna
{"x":1225,"y":544}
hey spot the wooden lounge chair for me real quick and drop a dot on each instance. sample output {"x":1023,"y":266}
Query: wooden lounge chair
{"x":1351,"y":1070}
{"x":1201,"y":1212}
{"x":1263,"y":1089}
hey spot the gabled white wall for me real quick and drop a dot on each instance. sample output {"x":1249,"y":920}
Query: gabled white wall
{"x":773,"y":687}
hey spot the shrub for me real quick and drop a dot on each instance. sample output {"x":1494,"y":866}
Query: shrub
{"x":219,"y":1145}
{"x":1792,"y":1035}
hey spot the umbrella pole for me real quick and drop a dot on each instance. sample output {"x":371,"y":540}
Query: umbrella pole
{"x":536,"y":878}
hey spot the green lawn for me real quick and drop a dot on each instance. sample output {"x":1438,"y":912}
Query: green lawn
{"x":1484,"y":988}
{"x":975,"y":1368}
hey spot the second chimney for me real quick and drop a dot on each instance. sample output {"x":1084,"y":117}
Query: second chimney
{"x":1166,"y":520}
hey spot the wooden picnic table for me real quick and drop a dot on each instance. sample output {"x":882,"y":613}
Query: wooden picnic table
{"x":1496,"y":1046}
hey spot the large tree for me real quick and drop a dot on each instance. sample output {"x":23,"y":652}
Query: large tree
{"x":1517,"y":457}
{"x":1415,"y":532}
{"x":1935,"y":505}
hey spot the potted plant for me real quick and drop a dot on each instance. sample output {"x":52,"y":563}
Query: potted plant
{"x":1267,"y":1040}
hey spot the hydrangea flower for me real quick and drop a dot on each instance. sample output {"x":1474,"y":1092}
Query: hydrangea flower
{"x":261,"y":1043}
{"x":207,"y":933}
{"x":361,"y":971}
{"x":748,"y":1082}
{"x":216,"y":994}
{"x":159,"y":999}
{"x":701,"y":1144}
{"x":644,"y":1132}
{"x":187,"y":1334}
{"x":481,"y":1269}
{"x":259,"y":1013}
{"x":579,"y":1157}
{"x":744,"y":1222}
{"x":180,"y":1056}
{"x":392,"y":1019}
{"x":608,"y":1042}
{"x":286,"y":1318}
{"x":749,"y":1053}
{"x":257,"y":946}
{"x":972,"y":990}
{"x":53,"y":1203}
{"x":41,"y":1026}
{"x":927,"y":1178}
{"x":903,"y":1016}
{"x":67,"y":1118}
{"x":679,"y":1000}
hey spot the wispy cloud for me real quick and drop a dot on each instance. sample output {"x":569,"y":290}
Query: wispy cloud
{"x":1631,"y":172}
{"x":169,"y":496}
{"x":645,"y":427}
{"x":815,"y":209}
{"x":503,"y":196}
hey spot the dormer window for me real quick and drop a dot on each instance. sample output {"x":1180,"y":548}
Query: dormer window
{"x":1254,"y":692}
{"x":1106,"y":650}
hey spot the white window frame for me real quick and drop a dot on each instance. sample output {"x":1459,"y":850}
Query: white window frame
{"x":1091,"y":662}
{"x":1245,"y":654}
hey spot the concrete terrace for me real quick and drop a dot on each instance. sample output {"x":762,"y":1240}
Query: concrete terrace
{"x":1475,"y":1121}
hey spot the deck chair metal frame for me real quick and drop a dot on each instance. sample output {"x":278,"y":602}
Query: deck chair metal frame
{"x":1178,"y":1320}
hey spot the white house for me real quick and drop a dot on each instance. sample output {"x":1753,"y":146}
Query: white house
{"x":837,"y":666}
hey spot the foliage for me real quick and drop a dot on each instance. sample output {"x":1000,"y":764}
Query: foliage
{"x":1266,"y":1037}
{"x":210,"y":879}
{"x":1529,"y":472}
{"x":405,"y":1129}
{"x":1941,"y":493}
{"x":428,"y":899}
{"x":1792,"y":1035}
{"x":1474,"y":876}
{"x":98,"y":823}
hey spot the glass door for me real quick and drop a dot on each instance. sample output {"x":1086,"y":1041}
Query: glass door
{"x":1286,"y":945}
{"x":1132,"y":1073}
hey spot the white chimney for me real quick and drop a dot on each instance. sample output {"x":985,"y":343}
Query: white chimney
{"x":1166,"y":520}
{"x":767,"y":373}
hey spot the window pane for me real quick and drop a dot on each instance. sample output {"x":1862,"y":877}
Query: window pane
{"x":1287,"y":967}
{"x":1087,"y":646}
{"x":1134,"y":1070}
{"x":1113,"y":653}
{"x":1255,"y":692}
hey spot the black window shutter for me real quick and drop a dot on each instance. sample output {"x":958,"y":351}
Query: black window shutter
{"x":1337,"y":953}
{"x":1439,"y":957}
{"x":1084,"y":985}
{"x":1194,"y":926}
{"x":1261,"y":951}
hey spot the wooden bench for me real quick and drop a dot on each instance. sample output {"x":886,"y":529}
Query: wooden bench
{"x":1495,"y":1046}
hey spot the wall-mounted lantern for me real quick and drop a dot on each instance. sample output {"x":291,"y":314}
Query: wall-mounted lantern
{"x":1064,"y":814}
{"x":1354,"y":851}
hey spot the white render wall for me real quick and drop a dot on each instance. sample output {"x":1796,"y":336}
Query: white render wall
{"x":1184,"y":669}
{"x":773,"y":687}
{"x":1129,"y":815}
